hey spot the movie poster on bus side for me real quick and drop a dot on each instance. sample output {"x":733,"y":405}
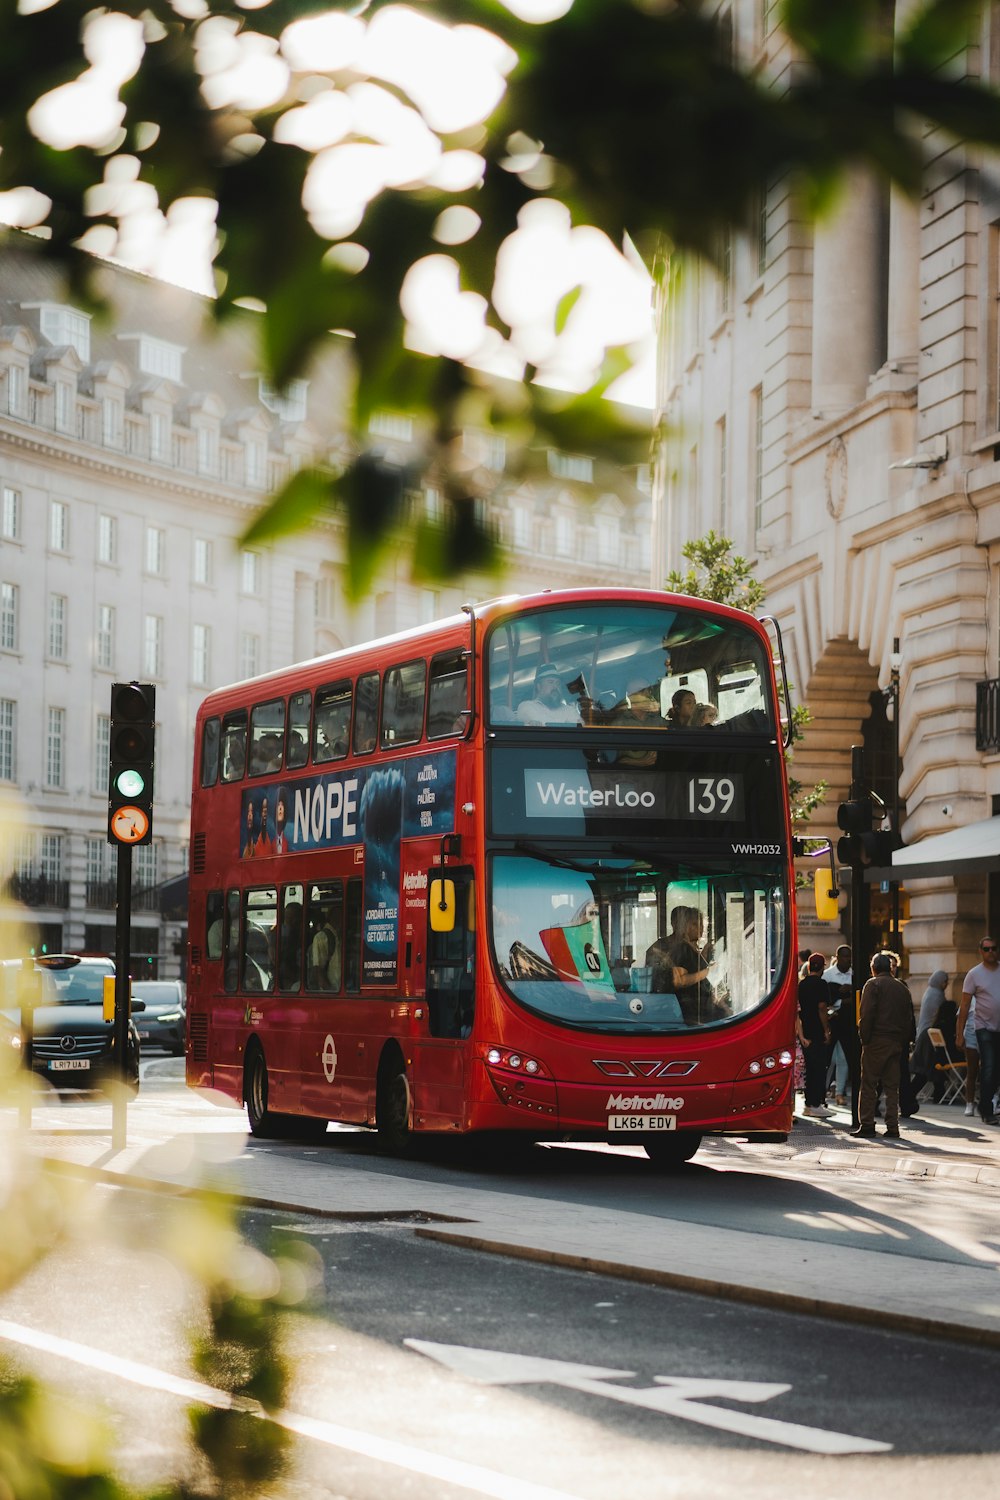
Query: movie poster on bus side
{"x":382,"y":820}
{"x":429,"y":806}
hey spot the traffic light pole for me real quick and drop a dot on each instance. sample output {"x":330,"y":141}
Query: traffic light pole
{"x":858,"y":964}
{"x":123,"y":969}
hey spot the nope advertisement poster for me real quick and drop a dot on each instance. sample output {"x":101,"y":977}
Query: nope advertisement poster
{"x":374,"y":806}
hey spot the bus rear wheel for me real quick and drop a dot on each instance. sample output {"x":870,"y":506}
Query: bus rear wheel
{"x":263,"y":1122}
{"x":670,"y":1152}
{"x":392,"y":1105}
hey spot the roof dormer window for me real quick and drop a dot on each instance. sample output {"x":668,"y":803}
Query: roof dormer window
{"x":64,"y":325}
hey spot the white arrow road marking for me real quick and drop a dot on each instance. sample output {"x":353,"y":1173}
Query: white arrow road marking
{"x":473,"y":1477}
{"x":674,"y":1396}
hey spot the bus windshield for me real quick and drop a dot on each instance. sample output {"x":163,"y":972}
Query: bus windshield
{"x":620,"y":945}
{"x":628,"y":667}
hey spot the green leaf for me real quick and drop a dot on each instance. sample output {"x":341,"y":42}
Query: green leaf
{"x":306,"y":497}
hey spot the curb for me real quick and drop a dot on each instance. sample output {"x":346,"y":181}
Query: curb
{"x":868,"y":1317}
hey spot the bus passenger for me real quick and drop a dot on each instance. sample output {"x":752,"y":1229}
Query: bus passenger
{"x":682,"y":707}
{"x":258,"y":971}
{"x":324,"y":957}
{"x":549,"y":704}
{"x":704,"y":714}
{"x":680,"y":965}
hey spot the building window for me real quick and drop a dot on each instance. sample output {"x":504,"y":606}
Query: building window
{"x":757,"y":454}
{"x":156,"y":547}
{"x":105,"y":636}
{"x":64,"y":406}
{"x":55,"y":741}
{"x":609,"y":541}
{"x":58,"y":526}
{"x":250,"y":566}
{"x":10,"y":515}
{"x":16,"y":388}
{"x":10,"y":608}
{"x":255,"y":467}
{"x":388,"y":425}
{"x":761,"y":248}
{"x":208,"y":450}
{"x":434,"y":506}
{"x":102,"y":752}
{"x":159,"y":436}
{"x":565,"y":537}
{"x":726,"y":272}
{"x":112,"y":422}
{"x":200,"y":643}
{"x":65,"y":325}
{"x":144,"y":866}
{"x":157,"y":356}
{"x":722,"y":476}
{"x":51,"y":861}
{"x":152,"y":646}
{"x":288,"y":405}
{"x":249,"y":655}
{"x":202,"y":560}
{"x":107,"y":539}
{"x":8,"y":739}
{"x":570,"y":466}
{"x":57,"y":626}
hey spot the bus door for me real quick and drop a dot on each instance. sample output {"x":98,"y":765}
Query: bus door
{"x":438,"y":1082}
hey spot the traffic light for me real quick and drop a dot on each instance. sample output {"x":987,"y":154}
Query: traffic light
{"x":130,"y":778}
{"x":856,"y":819}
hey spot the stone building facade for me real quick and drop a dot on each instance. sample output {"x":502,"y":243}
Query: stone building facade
{"x":134,"y":451}
{"x":830,"y":399}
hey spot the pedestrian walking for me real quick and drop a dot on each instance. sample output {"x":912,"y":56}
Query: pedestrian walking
{"x":843,"y":1022}
{"x":814,"y":1033}
{"x":885,"y":1027}
{"x":982,"y":985}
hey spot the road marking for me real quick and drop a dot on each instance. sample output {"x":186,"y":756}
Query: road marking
{"x":471,"y":1477}
{"x":674,"y":1396}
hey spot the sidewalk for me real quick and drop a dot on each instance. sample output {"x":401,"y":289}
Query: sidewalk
{"x":910,"y":1289}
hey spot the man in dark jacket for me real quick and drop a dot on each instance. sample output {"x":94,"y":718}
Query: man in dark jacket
{"x":886,"y":1024}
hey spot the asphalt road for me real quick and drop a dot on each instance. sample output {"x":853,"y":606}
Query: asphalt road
{"x":426,"y":1370}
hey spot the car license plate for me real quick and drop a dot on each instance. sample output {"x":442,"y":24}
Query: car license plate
{"x":144,"y":1036}
{"x":69,"y":1064}
{"x":627,"y":1124}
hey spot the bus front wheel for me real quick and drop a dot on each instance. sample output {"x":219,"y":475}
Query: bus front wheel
{"x":392,"y":1105}
{"x":669,"y":1153}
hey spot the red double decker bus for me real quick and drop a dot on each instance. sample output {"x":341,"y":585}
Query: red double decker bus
{"x":525,"y":870}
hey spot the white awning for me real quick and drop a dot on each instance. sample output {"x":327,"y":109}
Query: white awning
{"x":960,"y":851}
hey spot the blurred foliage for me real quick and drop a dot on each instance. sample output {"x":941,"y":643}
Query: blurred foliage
{"x":641,"y":118}
{"x":53,"y":1446}
{"x":718,"y":573}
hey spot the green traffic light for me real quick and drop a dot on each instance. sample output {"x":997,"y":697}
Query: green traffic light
{"x":130,"y":783}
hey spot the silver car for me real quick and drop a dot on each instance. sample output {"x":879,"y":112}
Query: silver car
{"x":163,"y":1023}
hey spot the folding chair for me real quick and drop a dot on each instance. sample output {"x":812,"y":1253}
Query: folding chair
{"x":954,"y":1072}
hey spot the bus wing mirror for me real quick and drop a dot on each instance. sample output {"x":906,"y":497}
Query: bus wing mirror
{"x":826,"y":893}
{"x":442,"y":905}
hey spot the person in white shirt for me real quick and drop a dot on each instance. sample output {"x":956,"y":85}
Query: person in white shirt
{"x":549,"y":705}
{"x":982,"y":987}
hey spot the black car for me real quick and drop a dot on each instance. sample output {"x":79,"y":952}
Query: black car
{"x":163,"y":1022}
{"x":72,"y":1044}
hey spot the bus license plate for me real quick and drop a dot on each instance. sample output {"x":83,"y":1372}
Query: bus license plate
{"x":69,"y":1064}
{"x":627,"y":1124}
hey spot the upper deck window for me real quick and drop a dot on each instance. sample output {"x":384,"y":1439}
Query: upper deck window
{"x":448,"y":695}
{"x":297,"y":746}
{"x":234,"y":745}
{"x":403,"y":704}
{"x":332,"y":722}
{"x":366,"y":714}
{"x":267,"y":737}
{"x":628,"y":667}
{"x":210,"y":752}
